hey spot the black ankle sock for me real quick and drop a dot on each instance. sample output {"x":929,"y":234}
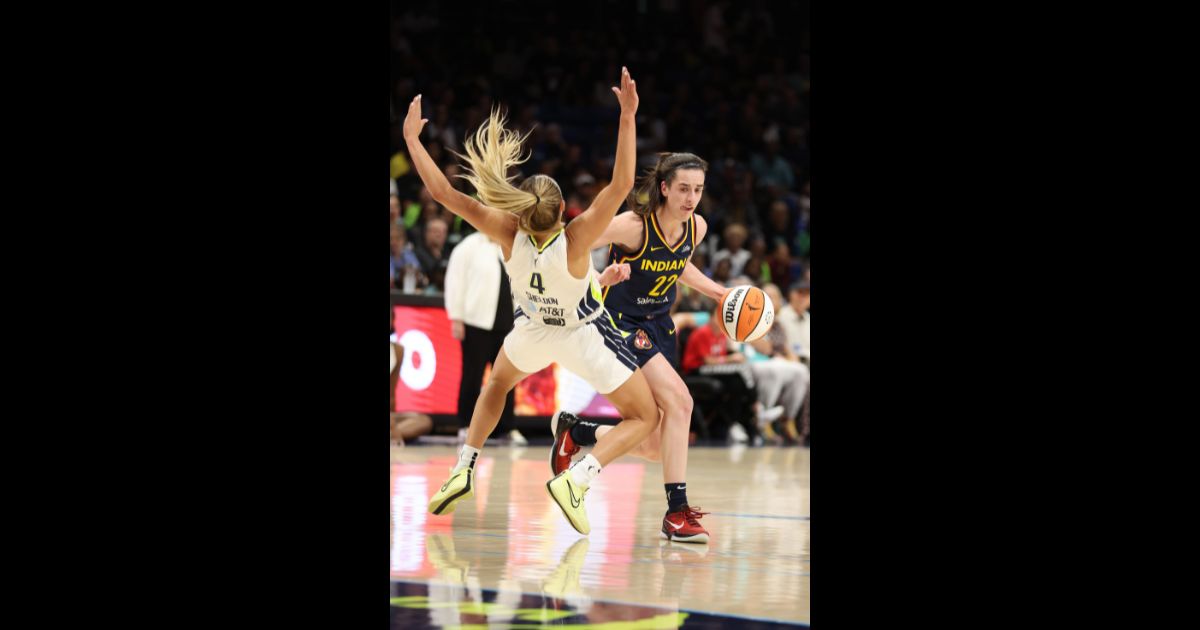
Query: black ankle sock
{"x":676,"y":496}
{"x":584,"y":433}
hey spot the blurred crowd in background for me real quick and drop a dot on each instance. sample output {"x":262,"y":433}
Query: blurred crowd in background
{"x":728,"y":82}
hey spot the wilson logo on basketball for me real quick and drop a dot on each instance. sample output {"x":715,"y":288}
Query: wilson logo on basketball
{"x":731,"y":306}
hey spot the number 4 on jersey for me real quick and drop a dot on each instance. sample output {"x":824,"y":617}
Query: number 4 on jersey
{"x":535,"y":281}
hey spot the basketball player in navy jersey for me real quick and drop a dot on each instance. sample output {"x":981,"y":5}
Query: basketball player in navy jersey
{"x":656,"y":240}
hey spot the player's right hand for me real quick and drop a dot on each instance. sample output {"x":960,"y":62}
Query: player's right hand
{"x":614,"y":274}
{"x":627,"y":93}
{"x":413,"y":123}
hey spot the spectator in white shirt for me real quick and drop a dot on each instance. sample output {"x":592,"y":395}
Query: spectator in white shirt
{"x":782,"y":378}
{"x":794,"y":319}
{"x":479,"y":304}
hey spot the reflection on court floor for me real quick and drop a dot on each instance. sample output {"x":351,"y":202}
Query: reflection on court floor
{"x":508,"y":557}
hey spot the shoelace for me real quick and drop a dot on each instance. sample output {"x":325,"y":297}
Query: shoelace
{"x":693,"y":513}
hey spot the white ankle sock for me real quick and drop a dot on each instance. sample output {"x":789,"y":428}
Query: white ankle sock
{"x":585,"y":470}
{"x":466,"y":458}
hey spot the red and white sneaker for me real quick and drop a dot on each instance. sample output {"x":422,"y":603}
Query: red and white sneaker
{"x":684,"y":526}
{"x":564,"y":447}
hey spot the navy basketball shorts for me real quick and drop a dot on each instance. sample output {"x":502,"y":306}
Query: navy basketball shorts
{"x":648,"y":337}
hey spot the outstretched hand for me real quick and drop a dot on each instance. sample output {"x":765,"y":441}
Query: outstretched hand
{"x":627,"y":93}
{"x":413,"y":123}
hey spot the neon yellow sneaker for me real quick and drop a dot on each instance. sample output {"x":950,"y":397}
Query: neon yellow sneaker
{"x":569,"y":497}
{"x":459,"y":486}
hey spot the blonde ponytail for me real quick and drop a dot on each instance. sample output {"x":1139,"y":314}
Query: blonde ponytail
{"x":491,"y":151}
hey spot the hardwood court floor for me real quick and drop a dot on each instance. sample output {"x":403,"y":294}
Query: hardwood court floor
{"x":508,"y":558}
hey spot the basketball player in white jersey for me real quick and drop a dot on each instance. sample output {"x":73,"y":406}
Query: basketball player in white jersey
{"x":559,"y":314}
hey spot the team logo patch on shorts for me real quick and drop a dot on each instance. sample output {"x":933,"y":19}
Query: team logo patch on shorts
{"x":641,"y":341}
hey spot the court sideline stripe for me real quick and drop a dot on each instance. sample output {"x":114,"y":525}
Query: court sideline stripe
{"x":801,"y":624}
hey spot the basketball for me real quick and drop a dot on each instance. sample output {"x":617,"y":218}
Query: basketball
{"x":746,"y":313}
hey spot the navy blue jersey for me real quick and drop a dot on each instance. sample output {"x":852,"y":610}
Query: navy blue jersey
{"x":653,"y":270}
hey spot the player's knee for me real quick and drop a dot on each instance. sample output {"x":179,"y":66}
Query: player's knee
{"x":492,"y":388}
{"x":685,"y":405}
{"x":677,"y":403}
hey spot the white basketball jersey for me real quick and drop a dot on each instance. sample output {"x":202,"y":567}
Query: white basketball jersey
{"x":544,"y":291}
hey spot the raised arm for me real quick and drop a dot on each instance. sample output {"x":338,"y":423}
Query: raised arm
{"x":589,"y":226}
{"x":500,"y":225}
{"x":623,"y":230}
